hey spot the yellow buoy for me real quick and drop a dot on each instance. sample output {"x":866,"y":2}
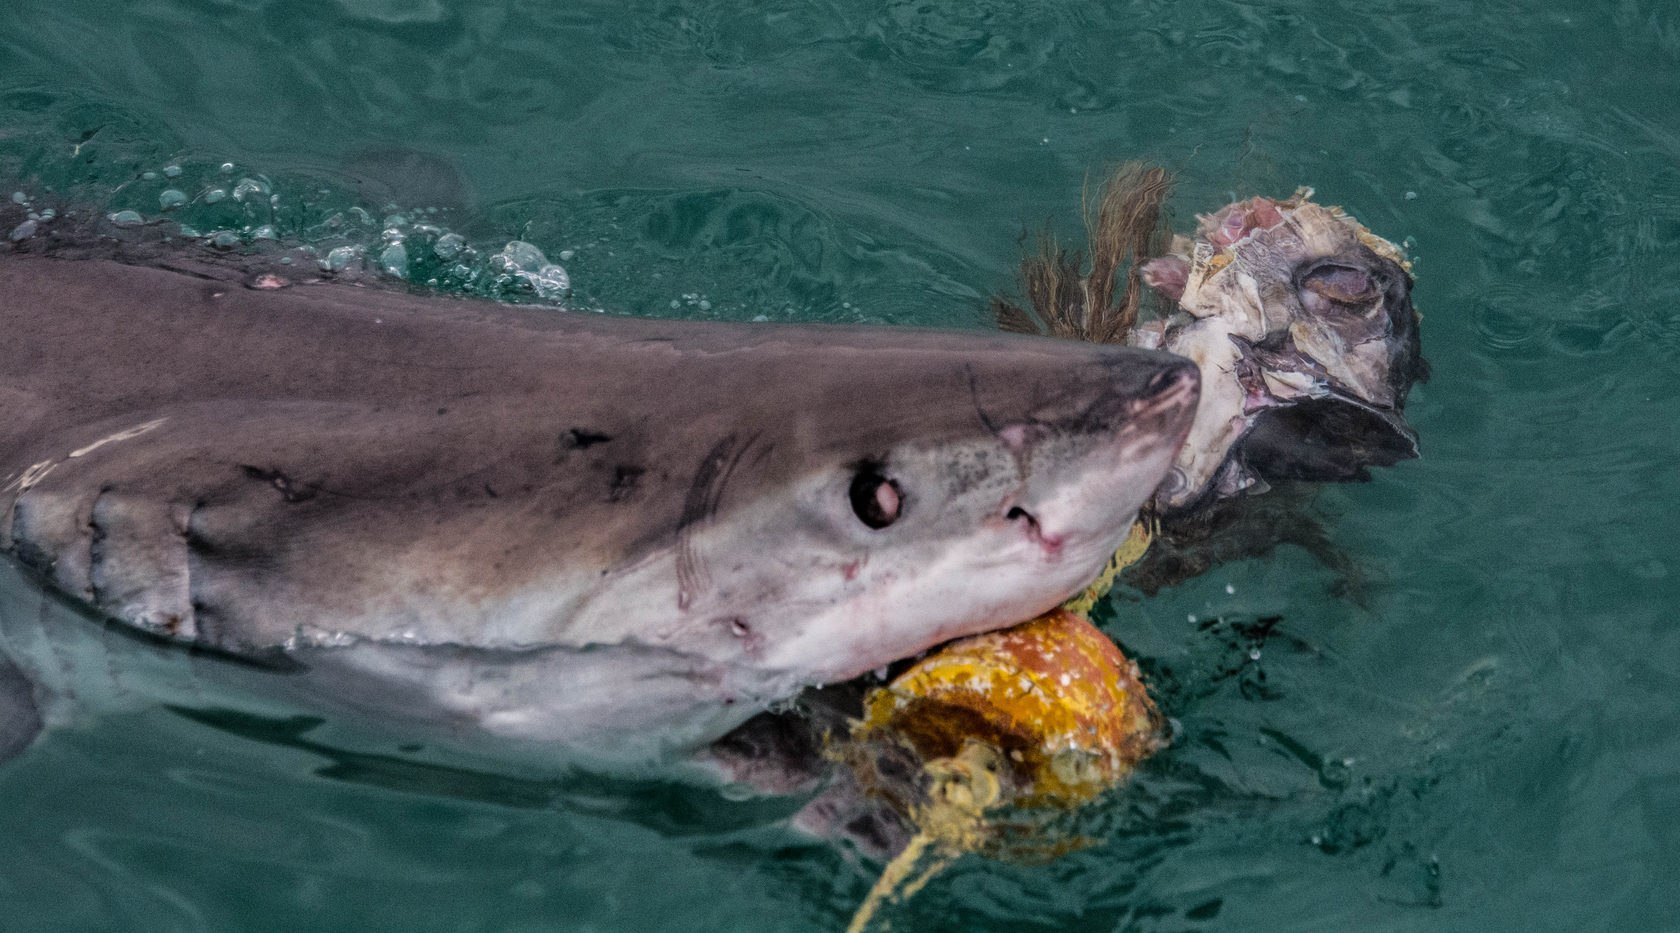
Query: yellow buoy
{"x":1062,"y":707}
{"x":1039,"y":717}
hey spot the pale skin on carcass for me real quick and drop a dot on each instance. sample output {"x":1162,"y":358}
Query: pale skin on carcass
{"x":611,"y":535}
{"x":1282,"y":302}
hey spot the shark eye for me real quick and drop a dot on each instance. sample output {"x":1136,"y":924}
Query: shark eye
{"x":876,"y":500}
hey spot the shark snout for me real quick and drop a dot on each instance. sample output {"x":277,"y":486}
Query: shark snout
{"x":1077,"y":488}
{"x":1170,"y":397}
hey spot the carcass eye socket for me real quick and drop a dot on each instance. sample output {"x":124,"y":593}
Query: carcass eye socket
{"x":876,"y":499}
{"x":1346,"y":285}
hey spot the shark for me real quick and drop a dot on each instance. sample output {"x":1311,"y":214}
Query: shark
{"x":611,"y":537}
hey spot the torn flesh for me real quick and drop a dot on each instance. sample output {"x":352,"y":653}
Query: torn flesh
{"x":1281,"y":303}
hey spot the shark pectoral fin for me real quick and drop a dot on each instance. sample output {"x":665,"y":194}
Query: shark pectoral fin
{"x":20,"y":718}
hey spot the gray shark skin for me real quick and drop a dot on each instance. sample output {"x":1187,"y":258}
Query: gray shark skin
{"x":618,"y":536}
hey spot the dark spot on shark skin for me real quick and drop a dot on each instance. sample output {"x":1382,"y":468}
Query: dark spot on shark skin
{"x":490,"y":491}
{"x":582,"y":439}
{"x":289,"y":490}
{"x":624,"y":481}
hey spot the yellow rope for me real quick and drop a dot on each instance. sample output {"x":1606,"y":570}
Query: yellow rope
{"x":1130,"y":552}
{"x":951,"y":823}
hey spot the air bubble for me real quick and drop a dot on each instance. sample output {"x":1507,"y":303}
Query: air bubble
{"x":172,"y":171}
{"x":215,"y":196}
{"x":551,"y":282}
{"x":341,"y":258}
{"x":394,"y":260}
{"x":223,"y":239}
{"x":227,"y":168}
{"x":526,"y":262}
{"x":126,"y":219}
{"x":249,"y":187}
{"x":23,"y":231}
{"x":449,"y":245}
{"x":172,"y":198}
{"x":518,"y":256}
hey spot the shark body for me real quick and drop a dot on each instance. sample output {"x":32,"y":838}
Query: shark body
{"x":573,"y":530}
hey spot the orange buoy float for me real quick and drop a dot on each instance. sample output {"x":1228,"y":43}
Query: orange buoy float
{"x":971,"y":742}
{"x":1063,"y":709}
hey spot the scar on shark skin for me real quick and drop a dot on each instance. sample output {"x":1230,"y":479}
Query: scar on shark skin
{"x":31,"y":476}
{"x":703,"y":498}
{"x":129,"y":434}
{"x":40,"y":470}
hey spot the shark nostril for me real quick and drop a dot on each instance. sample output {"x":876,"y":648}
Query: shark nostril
{"x":1051,"y":544}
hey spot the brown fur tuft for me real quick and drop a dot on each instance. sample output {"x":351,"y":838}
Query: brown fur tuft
{"x":1123,"y":225}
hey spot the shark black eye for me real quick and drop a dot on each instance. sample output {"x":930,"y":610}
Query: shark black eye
{"x":876,"y":500}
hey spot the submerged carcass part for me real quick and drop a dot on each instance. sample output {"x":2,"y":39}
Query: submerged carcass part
{"x":1302,"y":323}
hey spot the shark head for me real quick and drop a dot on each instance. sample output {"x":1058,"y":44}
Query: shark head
{"x":832,"y":551}
{"x":889,"y":493}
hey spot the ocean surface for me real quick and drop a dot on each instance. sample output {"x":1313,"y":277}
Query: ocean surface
{"x":1470,"y":722}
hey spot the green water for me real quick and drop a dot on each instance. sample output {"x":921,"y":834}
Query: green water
{"x":1481,"y":732}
